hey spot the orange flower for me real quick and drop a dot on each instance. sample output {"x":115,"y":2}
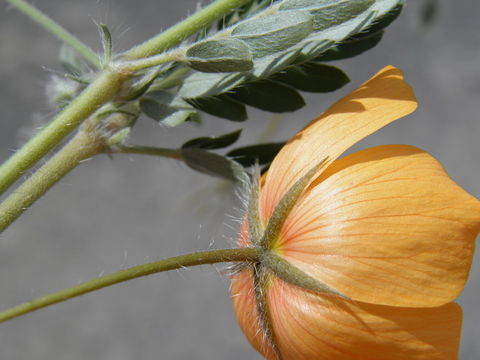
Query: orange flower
{"x":363,"y":255}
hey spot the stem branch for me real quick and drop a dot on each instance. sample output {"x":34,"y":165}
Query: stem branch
{"x":177,"y":262}
{"x":185,"y":29}
{"x":57,"y":30}
{"x":139,"y":64}
{"x":83,"y":146}
{"x":100,"y":91}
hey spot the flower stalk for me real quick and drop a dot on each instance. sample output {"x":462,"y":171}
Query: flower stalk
{"x":177,"y":262}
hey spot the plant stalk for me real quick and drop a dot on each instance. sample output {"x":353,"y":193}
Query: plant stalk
{"x":144,"y":63}
{"x":177,"y":262}
{"x":100,"y":91}
{"x":178,"y":33}
{"x":82,"y":146}
{"x":57,"y":30}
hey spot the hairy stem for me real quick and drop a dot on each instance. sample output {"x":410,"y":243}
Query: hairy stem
{"x":177,"y":262}
{"x":185,"y":29}
{"x":57,"y":30}
{"x":135,"y":65}
{"x":83,"y":146}
{"x":103,"y":90}
{"x":100,"y":91}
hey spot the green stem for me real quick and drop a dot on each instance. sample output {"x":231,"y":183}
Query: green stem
{"x":135,"y":65}
{"x":57,"y":30}
{"x":100,"y":91}
{"x":83,"y":146}
{"x":149,"y":150}
{"x":178,"y":33}
{"x":177,"y":262}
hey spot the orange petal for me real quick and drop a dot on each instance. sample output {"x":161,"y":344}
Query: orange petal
{"x":243,"y":299}
{"x":381,"y":100}
{"x":385,"y":226}
{"x":308,"y":326}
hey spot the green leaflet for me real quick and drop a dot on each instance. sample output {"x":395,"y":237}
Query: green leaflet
{"x":270,"y":34}
{"x":205,"y":84}
{"x":377,"y":16}
{"x":221,"y":106}
{"x":351,"y":47}
{"x":272,"y":64}
{"x":329,"y":13}
{"x":285,"y":206}
{"x":261,"y":153}
{"x":213,"y":142}
{"x":269,"y":96}
{"x":225,"y":55}
{"x":348,"y":28}
{"x":214,"y":164}
{"x":313,"y":77}
{"x":166,"y":108}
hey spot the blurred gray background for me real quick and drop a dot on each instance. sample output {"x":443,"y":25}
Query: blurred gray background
{"x":112,"y":214}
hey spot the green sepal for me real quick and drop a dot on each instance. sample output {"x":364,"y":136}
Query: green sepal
{"x":221,"y":106}
{"x":295,"y":276}
{"x":255,"y":226}
{"x":285,"y":206}
{"x":260,"y":153}
{"x":224,"y":55}
{"x":269,"y":96}
{"x":262,"y":277}
{"x":214,"y":164}
{"x":313,"y":77}
{"x":213,"y":142}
